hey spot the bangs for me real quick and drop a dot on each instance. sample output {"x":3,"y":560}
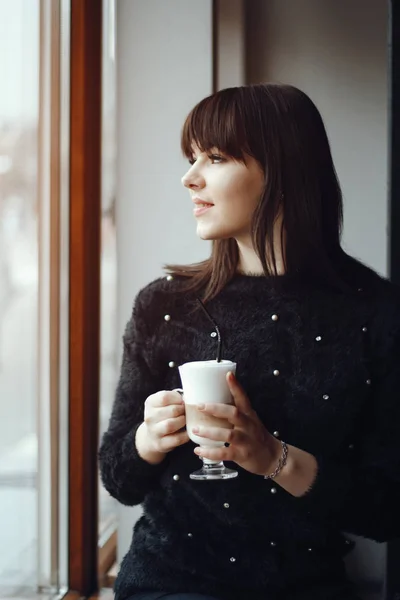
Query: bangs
{"x":216,"y":122}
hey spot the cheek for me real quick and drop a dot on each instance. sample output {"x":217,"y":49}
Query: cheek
{"x":237,"y":193}
{"x":242,"y":199}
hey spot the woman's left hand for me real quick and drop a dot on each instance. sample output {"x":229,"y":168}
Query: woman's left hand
{"x":251,"y":446}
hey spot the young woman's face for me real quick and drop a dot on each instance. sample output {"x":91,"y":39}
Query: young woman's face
{"x":225,"y":193}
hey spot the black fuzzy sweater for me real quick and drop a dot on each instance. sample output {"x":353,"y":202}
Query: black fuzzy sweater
{"x":336,"y":396}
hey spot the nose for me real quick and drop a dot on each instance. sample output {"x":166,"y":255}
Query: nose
{"x":193,"y":180}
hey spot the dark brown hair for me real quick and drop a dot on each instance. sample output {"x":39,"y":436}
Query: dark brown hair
{"x":280,"y":127}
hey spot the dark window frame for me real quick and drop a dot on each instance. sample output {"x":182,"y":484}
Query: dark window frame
{"x":84,"y":328}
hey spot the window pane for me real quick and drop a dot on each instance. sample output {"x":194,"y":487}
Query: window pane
{"x":108,"y":365}
{"x":19,"y":77}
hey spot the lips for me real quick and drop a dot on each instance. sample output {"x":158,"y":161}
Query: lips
{"x":202,"y":203}
{"x":201,"y":208}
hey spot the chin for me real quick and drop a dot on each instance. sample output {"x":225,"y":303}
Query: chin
{"x":212,"y":233}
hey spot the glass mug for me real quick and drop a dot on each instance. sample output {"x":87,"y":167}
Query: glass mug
{"x":205,"y":382}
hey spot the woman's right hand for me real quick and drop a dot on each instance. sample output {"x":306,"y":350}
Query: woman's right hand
{"x":160,"y":432}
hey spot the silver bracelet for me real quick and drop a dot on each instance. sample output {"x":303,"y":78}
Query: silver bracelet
{"x":281,"y":463}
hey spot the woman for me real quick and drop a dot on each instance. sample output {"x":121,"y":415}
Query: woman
{"x":316,"y":338}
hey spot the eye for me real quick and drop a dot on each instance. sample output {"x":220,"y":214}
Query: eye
{"x":216,"y":158}
{"x":192,"y":161}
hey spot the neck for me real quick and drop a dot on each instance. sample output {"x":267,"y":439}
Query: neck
{"x":250,"y":263}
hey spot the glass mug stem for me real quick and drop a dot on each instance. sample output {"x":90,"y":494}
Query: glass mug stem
{"x":207,"y":461}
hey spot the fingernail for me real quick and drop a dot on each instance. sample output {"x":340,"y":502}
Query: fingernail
{"x":201,"y":406}
{"x":230,"y":375}
{"x":197,"y":451}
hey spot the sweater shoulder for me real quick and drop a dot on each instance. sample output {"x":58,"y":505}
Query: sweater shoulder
{"x":160,"y":297}
{"x":384,"y":294}
{"x":372,"y":285}
{"x":162,"y":288}
{"x":382,"y":298}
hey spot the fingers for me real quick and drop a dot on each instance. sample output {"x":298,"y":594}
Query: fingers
{"x":155,"y":414}
{"x":226,"y":411}
{"x":169,"y":442}
{"x":169,"y":426}
{"x":168,"y":434}
{"x":164,"y":421}
{"x":164,"y":398}
{"x":240,"y":398}
{"x":219,"y":434}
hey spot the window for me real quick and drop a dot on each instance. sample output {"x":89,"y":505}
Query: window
{"x":19,"y":291}
{"x":108,"y":279}
{"x":33,"y":448}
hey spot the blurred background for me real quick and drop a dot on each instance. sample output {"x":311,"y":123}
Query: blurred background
{"x":93,"y":97}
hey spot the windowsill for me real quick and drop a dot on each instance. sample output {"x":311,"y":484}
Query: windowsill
{"x":107,"y":560}
{"x":111,"y":576}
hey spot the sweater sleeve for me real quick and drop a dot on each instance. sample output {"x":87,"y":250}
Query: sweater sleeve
{"x":125,"y":475}
{"x":363,"y":497}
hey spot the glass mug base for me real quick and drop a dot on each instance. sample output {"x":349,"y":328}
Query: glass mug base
{"x":213,"y":471}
